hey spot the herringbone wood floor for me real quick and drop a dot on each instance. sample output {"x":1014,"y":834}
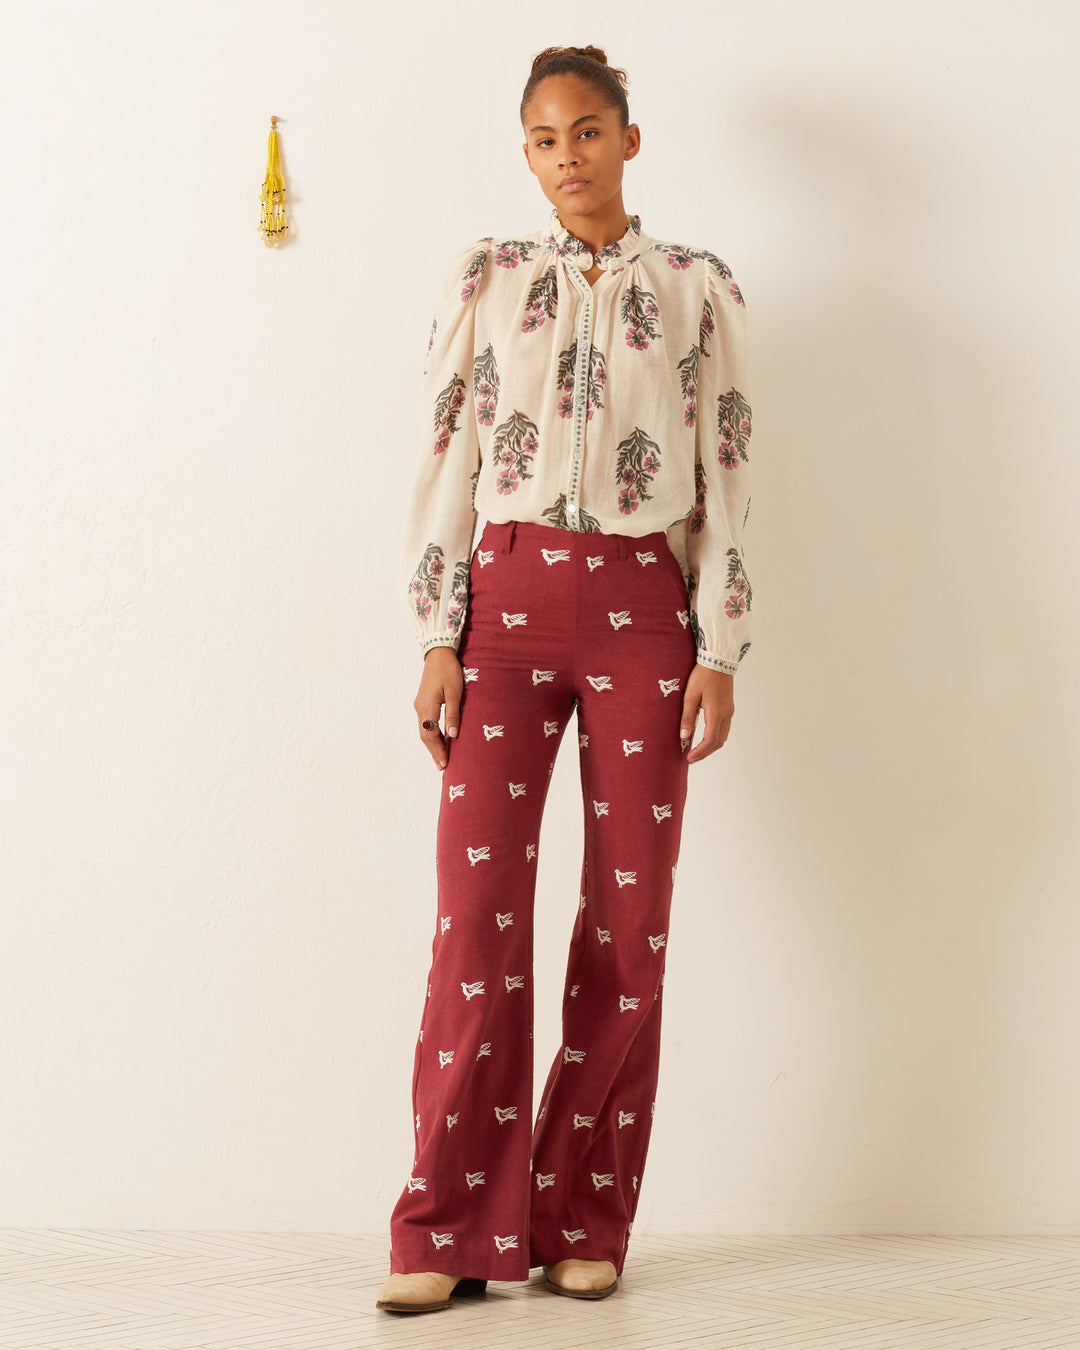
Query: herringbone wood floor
{"x":76,"y":1289}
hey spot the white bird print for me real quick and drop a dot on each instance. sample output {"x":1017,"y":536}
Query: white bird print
{"x":455,"y":790}
{"x":451,"y":1121}
{"x":601,"y":808}
{"x":504,"y":920}
{"x":577,"y":1235}
{"x":530,"y":852}
{"x":683,"y":617}
{"x":673,"y":872}
{"x":583,"y":1122}
{"x":604,"y":934}
{"x":475,"y":1179}
{"x":514,"y":620}
{"x":632,"y":747}
{"x":661,"y":812}
{"x":470,"y":673}
{"x":505,"y":1113}
{"x":444,"y":923}
{"x":582,"y":906}
{"x":481,"y":854}
{"x":574,"y":989}
{"x":601,"y":1179}
{"x":418,"y":1120}
{"x":583,"y":740}
{"x":599,"y":682}
{"x":596,"y":562}
{"x":544,"y":1179}
{"x":491,"y":732}
{"x":442,"y":1239}
{"x":502,"y":1243}
{"x":572,"y":1056}
{"x":485,"y":1049}
{"x":634,"y":1179}
{"x":554,"y":555}
{"x":550,"y":728}
{"x":514,"y":982}
{"x":543,"y":676}
{"x":485,"y":555}
{"x":619,"y":618}
{"x":668,"y":686}
{"x":516,"y":789}
{"x":470,"y":990}
{"x":644,"y":558}
{"x":628,"y":1004}
{"x":417,"y":1184}
{"x":626,"y":1118}
{"x":657,"y":942}
{"x":625,"y":878}
{"x":445,"y":1057}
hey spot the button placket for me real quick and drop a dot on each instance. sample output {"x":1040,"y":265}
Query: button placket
{"x":581,"y":388}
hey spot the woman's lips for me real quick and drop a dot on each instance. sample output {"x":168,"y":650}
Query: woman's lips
{"x":574,"y":185}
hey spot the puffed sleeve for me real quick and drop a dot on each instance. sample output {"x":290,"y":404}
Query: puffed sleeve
{"x":440,"y":519}
{"x":721,"y":597}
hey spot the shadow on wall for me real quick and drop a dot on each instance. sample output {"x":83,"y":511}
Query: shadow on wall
{"x":912,"y":839}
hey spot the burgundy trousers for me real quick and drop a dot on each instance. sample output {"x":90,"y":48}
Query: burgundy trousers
{"x":556,"y":620}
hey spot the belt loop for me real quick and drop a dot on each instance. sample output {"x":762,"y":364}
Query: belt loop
{"x":508,"y":535}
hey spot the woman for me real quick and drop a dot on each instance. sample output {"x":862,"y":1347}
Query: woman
{"x":587,"y":387}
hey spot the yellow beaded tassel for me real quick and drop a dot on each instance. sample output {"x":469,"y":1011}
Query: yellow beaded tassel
{"x":273,"y":226}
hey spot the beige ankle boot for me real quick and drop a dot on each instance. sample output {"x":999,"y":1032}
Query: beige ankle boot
{"x":582,"y":1279}
{"x":425,"y":1291}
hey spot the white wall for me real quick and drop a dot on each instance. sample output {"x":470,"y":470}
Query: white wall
{"x":217,"y":824}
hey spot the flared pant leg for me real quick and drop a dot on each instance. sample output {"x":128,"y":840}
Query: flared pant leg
{"x":555,"y":620}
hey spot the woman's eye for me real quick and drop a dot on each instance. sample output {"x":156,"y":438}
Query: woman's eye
{"x":589,"y":131}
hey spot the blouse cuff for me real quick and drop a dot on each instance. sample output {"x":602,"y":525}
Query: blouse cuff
{"x":439,"y":640}
{"x":713,"y":662}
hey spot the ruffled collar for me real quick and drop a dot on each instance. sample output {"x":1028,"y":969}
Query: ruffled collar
{"x":612,"y":257}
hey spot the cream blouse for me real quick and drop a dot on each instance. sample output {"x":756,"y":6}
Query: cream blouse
{"x":621,"y":407}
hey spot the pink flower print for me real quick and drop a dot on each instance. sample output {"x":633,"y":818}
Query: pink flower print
{"x":443,"y":441}
{"x":652,"y":309}
{"x":728,"y":457}
{"x":469,"y":287}
{"x":566,"y":405}
{"x":635,"y":338}
{"x":744,"y":426}
{"x":423,"y":606}
{"x":652,"y":464}
{"x":436,"y":566}
{"x":530,"y":444}
{"x":485,"y":389}
{"x":507,"y":481}
{"x":457,"y":400}
{"x":736,"y":294}
{"x":628,"y":501}
{"x":740,"y":585}
{"x":532,"y":321}
{"x":679,"y":259}
{"x":727,"y":432}
{"x":690,"y":416}
{"x":708,"y":327}
{"x":485,"y":413}
{"x":507,"y":455}
{"x":628,"y":475}
{"x":734,"y":607}
{"x":507,"y":256}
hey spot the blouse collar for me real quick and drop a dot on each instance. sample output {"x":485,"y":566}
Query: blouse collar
{"x":612,"y":257}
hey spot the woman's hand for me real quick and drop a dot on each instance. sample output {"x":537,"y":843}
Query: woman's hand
{"x":713,"y":693}
{"x":441,"y":682}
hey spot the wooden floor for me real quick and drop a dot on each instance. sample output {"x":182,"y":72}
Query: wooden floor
{"x":75,"y":1289}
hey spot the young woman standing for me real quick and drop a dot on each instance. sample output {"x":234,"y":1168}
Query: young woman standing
{"x":588,"y":393}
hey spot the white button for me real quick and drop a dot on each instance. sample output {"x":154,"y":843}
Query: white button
{"x":570,"y":506}
{"x":585,"y":261}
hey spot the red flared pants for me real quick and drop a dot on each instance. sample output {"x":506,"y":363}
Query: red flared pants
{"x":555,"y":621}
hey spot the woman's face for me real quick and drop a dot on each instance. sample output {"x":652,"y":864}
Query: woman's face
{"x":575,"y":145}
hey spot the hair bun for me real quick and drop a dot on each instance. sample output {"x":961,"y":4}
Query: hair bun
{"x":590,"y":53}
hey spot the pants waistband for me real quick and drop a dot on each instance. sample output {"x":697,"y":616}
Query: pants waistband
{"x":504,"y":534}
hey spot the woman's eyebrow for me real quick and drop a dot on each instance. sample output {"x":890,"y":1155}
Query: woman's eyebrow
{"x":587,"y":118}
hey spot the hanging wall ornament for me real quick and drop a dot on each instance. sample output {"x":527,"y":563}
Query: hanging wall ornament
{"x":273,"y":226}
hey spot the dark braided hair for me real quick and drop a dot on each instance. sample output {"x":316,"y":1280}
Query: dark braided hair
{"x":589,"y":64}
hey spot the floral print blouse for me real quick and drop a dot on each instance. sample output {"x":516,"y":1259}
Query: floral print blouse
{"x":619,"y":407}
